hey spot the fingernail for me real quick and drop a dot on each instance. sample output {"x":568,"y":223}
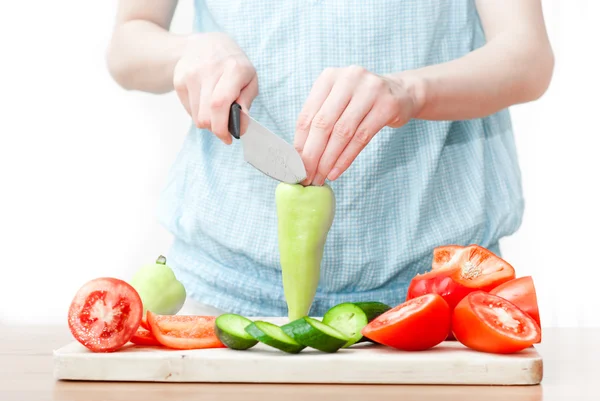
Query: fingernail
{"x":319,"y":180}
{"x":333,"y":174}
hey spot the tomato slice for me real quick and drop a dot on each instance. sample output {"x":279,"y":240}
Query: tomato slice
{"x":144,"y":323}
{"x":488,"y":323}
{"x":521,"y":292}
{"x":460,"y":271}
{"x":104,"y":314}
{"x":183,"y":331}
{"x":415,"y":325}
{"x":144,"y":337}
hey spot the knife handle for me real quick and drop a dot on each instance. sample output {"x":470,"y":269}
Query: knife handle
{"x":234,"y":120}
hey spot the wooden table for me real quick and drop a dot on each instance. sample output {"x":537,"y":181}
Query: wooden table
{"x":571,"y":372}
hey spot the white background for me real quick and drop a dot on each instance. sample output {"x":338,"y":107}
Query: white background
{"x":82,"y":163}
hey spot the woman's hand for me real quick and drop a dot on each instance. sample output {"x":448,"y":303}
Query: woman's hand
{"x":212,"y":74}
{"x":345,"y":109}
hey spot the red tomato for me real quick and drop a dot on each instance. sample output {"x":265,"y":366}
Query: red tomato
{"x":104,"y":314}
{"x":144,"y":337}
{"x":520,"y":292}
{"x":442,"y":255}
{"x":415,"y":325}
{"x":488,"y":323}
{"x":184,"y":332}
{"x":144,"y":323}
{"x":460,"y":271}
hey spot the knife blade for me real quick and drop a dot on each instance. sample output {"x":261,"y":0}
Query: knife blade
{"x":265,"y":151}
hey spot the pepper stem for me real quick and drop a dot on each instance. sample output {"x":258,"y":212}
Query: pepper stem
{"x":161,"y":260}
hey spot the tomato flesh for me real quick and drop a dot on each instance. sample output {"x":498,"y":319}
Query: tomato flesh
{"x":415,"y":325}
{"x":521,"y":292}
{"x":144,"y":337}
{"x":442,"y":255}
{"x":488,"y":323}
{"x":183,"y":331}
{"x":460,"y":271}
{"x":104,"y":314}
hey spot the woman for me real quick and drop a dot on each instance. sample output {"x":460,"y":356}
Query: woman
{"x":400,"y":105}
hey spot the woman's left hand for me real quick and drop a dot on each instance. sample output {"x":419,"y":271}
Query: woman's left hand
{"x":345,"y":109}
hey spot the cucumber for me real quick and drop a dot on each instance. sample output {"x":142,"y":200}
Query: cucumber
{"x":347,"y":318}
{"x":312,"y":333}
{"x":230,"y":329}
{"x":273,"y":336}
{"x":373,"y":309}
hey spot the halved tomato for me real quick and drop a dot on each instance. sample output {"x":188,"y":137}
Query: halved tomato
{"x":184,"y":331}
{"x":521,"y":292}
{"x":104,"y":314}
{"x":460,"y":271}
{"x":415,"y":325}
{"x":144,"y":337}
{"x":488,"y":323}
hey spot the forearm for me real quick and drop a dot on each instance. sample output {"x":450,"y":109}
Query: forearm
{"x":514,"y":66}
{"x":142,"y":56}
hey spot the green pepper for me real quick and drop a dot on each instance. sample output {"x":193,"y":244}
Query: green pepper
{"x":159,"y":289}
{"x":304,"y":217}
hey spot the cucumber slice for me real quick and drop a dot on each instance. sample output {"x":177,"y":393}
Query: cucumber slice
{"x":312,"y":333}
{"x":373,"y":309}
{"x":347,"y":318}
{"x":230,"y":329}
{"x":274,"y":336}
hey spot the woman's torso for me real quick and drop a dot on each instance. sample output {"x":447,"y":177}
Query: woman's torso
{"x":411,"y":189}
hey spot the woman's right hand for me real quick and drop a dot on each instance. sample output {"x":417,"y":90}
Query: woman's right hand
{"x":212,"y":74}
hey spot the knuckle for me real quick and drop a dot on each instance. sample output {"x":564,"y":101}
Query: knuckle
{"x":342,"y":130}
{"x":321,"y":123}
{"x":218,"y":102}
{"x":362,"y":136}
{"x":356,"y":71}
{"x":303,"y":123}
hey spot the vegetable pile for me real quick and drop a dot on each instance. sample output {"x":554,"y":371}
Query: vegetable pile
{"x":470,"y":295}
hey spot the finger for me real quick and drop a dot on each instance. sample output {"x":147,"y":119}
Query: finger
{"x":201,"y":102}
{"x":182,"y":94}
{"x":321,"y":127}
{"x":370,"y":125}
{"x":317,"y":96}
{"x":245,"y":99}
{"x":227,"y":90}
{"x":344,"y":130}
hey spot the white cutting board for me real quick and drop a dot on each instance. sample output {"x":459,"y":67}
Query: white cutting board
{"x":447,"y":363}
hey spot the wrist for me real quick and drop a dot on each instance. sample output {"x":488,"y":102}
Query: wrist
{"x":416,"y":88}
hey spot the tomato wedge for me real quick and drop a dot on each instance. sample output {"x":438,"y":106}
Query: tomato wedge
{"x":104,"y":314}
{"x":183,"y":331}
{"x":521,"y":292}
{"x":460,"y":271}
{"x":144,"y":337}
{"x":144,"y":323}
{"x":488,"y":323}
{"x":442,"y":255}
{"x":414,"y":325}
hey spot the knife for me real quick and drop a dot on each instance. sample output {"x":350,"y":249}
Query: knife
{"x":264,"y":150}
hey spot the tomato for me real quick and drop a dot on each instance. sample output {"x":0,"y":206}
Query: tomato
{"x":144,"y":337}
{"x":520,"y":292}
{"x":442,"y":255}
{"x":488,"y":323}
{"x":460,"y":271}
{"x":104,"y":314}
{"x":184,"y":332}
{"x":144,"y":323}
{"x":415,"y":325}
